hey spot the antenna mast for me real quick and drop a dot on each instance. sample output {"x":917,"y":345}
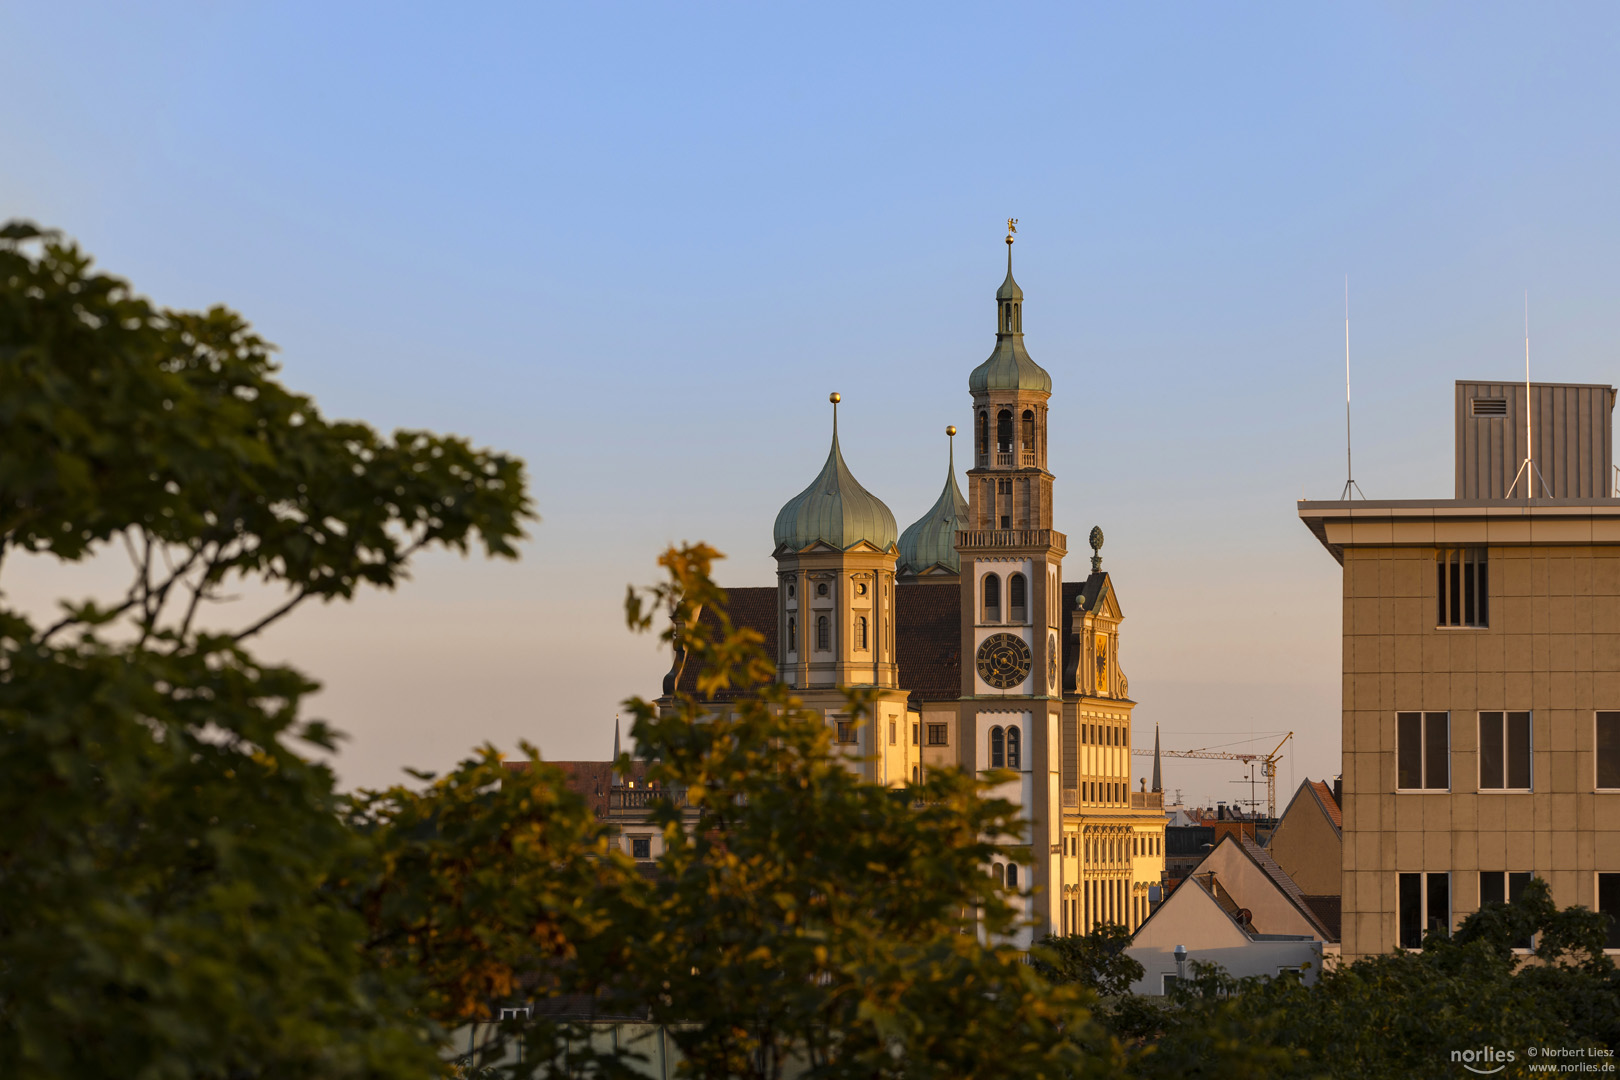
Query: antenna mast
{"x":1350,"y":484}
{"x":1528,"y":470}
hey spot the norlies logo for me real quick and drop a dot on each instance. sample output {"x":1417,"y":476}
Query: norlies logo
{"x":1483,"y":1058}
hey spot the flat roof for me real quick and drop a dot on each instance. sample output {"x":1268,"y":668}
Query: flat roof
{"x":1436,"y":522}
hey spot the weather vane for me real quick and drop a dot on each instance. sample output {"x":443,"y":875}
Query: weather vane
{"x":1012,"y":227}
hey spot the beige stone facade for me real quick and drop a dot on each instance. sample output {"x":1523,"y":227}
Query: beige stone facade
{"x":1429,"y":805}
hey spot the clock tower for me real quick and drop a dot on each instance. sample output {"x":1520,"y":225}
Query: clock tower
{"x":1012,"y":586}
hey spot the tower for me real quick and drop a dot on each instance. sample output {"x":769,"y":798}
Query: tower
{"x":1011,"y":587}
{"x":835,"y":555}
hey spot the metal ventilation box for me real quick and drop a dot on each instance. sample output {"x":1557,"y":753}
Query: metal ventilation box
{"x":1574,"y":432}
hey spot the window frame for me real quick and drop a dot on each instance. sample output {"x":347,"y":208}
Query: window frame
{"x":1015,"y":747}
{"x":998,"y":747}
{"x":823,"y":634}
{"x":1423,"y":742}
{"x":844,"y":732}
{"x":1462,"y":577}
{"x":1598,"y":751}
{"x":1613,"y":944}
{"x":1425,"y":881}
{"x":988,"y":612}
{"x":1017,"y":598}
{"x":637,"y":844}
{"x":1505,"y":717}
{"x":941,"y":729}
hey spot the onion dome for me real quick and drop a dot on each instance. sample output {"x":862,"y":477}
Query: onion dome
{"x":930,"y":541}
{"x":835,"y":509}
{"x":1009,"y":366}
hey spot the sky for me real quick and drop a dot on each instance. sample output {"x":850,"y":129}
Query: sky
{"x":639,"y":244}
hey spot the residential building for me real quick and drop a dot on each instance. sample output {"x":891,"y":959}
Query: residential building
{"x":1481,"y":671}
{"x":1238,"y":909}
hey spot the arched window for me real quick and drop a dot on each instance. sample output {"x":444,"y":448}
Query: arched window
{"x":823,"y":633}
{"x":860,"y":632}
{"x":1029,"y":430}
{"x":1016,"y":592}
{"x":793,"y":635}
{"x":915,"y":775}
{"x":1018,"y":318}
{"x":999,"y":872}
{"x":998,"y":754}
{"x":1012,"y":875}
{"x":1014,"y":748}
{"x":984,"y":433}
{"x":992,"y":598}
{"x":1004,"y":431}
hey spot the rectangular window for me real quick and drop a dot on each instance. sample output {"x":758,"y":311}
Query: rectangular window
{"x":1424,"y":903}
{"x":1169,"y":984}
{"x":1608,"y":903}
{"x":894,"y":732}
{"x":1461,"y":587}
{"x":1504,"y":888}
{"x":916,"y":734}
{"x":641,"y":847}
{"x":846,"y":731}
{"x":1608,"y":749}
{"x":1504,"y":751}
{"x":1423,"y":751}
{"x":937,"y":735}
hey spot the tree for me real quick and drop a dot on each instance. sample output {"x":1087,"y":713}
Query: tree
{"x":170,"y":900}
{"x":1096,"y":960}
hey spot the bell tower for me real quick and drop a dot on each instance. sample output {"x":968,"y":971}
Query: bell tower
{"x":1012,"y":586}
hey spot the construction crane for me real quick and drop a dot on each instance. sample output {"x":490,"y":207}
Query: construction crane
{"x":1268,"y":765}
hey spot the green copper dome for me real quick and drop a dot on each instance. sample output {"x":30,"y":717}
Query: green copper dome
{"x":931,"y":539}
{"x":835,"y":510}
{"x":1009,"y":366}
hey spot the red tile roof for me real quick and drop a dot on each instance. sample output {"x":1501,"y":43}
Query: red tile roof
{"x":1324,"y":792}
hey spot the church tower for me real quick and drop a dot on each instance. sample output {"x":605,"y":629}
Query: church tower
{"x":1011,"y":586}
{"x":835,"y":551}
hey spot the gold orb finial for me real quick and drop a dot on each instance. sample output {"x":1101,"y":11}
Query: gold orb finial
{"x":951,"y":431}
{"x":1012,"y":228}
{"x":835,"y":397}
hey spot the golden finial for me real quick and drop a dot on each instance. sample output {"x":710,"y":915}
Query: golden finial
{"x":835,"y":397}
{"x":1012,"y":228}
{"x":951,"y":431}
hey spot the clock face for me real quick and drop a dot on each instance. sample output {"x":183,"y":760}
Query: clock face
{"x":1051,"y":661}
{"x":1004,"y":660}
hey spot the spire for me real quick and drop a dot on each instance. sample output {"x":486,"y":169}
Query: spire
{"x":1009,"y":366}
{"x":1158,"y":784}
{"x":929,"y":543}
{"x":835,"y":509}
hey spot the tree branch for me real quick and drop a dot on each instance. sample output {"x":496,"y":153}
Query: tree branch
{"x":298,"y":598}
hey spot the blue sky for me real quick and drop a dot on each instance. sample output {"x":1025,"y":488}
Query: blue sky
{"x":638,"y":245}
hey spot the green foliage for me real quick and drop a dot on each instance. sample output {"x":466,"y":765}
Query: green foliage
{"x":1096,"y":960}
{"x":1400,"y":1014}
{"x":177,"y":883}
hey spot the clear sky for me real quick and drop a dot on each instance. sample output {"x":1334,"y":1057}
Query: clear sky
{"x":638,"y":245}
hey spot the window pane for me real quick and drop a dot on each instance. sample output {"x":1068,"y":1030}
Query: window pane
{"x":1490,"y":750}
{"x":1608,"y":749}
{"x":1484,"y":612}
{"x":1518,"y":750}
{"x":1516,"y":886}
{"x":1609,"y":904}
{"x":1409,"y":755}
{"x":1440,"y":589}
{"x":1453,"y":585}
{"x":1437,"y":751}
{"x":1468,"y":589}
{"x":1491,"y":890}
{"x":1439,"y":907}
{"x":1411,"y":909}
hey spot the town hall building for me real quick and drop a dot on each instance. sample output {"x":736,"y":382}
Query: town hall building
{"x":978,"y":653}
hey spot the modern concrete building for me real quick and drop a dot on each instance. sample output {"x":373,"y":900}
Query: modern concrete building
{"x":981,"y":655}
{"x":1481,"y":672}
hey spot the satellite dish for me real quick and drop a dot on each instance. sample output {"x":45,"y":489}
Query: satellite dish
{"x":1244,"y":916}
